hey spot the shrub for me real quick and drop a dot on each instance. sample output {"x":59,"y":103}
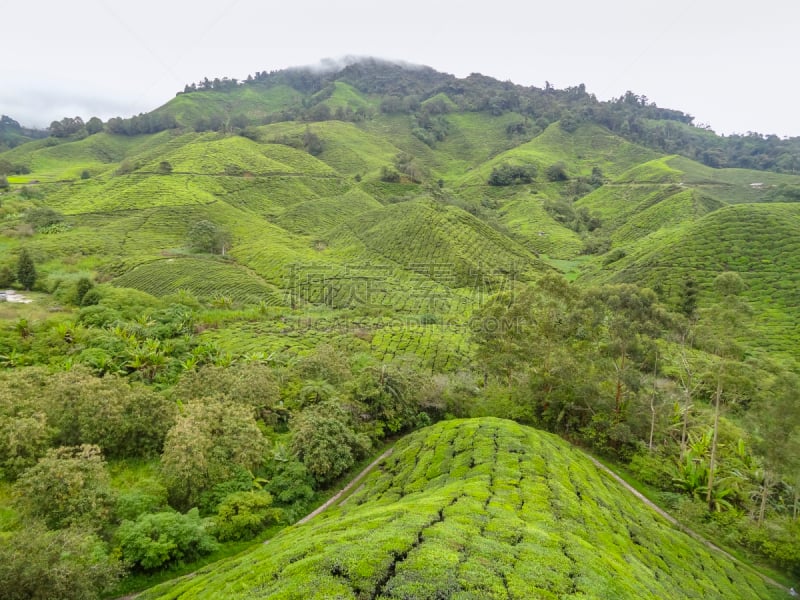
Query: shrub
{"x":557,"y":172}
{"x":66,"y":487}
{"x":208,"y":444}
{"x":26,"y":270}
{"x":69,"y":564}
{"x":323,"y":439}
{"x":23,"y":440}
{"x":6,"y":276}
{"x":83,"y":287}
{"x":138,"y":502}
{"x":291,"y":484}
{"x":41,"y":218}
{"x":242,"y":515}
{"x":153,"y":540}
{"x":506,"y":174}
{"x":614,"y":256}
{"x":390,"y":175}
{"x":652,"y":469}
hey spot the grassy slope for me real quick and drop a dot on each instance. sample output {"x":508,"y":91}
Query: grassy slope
{"x":422,"y":234}
{"x":286,"y":208}
{"x":481,"y":508}
{"x":758,"y":241}
{"x":590,"y":146}
{"x":203,"y":278}
{"x":254,"y":102}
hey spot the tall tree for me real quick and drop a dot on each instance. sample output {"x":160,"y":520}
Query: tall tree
{"x":719,"y":327}
{"x":26,"y":269}
{"x":777,"y":424}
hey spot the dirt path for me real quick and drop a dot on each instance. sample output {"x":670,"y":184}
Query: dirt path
{"x":345,"y":489}
{"x":681,"y":526}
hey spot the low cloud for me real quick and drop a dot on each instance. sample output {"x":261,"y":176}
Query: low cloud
{"x":36,"y":107}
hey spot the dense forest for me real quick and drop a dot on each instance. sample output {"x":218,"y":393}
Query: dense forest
{"x":236,"y":301}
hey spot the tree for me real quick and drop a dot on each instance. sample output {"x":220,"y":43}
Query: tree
{"x":82,"y":288}
{"x":719,"y":327}
{"x":165,"y":167}
{"x":26,"y":269}
{"x":557,"y":172}
{"x":68,"y":486}
{"x":688,"y":305}
{"x":94,"y":125}
{"x":68,"y":564}
{"x":205,"y":236}
{"x":312,"y":143}
{"x":243,"y":515}
{"x":211,"y":440}
{"x":629,"y":317}
{"x":324,"y":441}
{"x":777,"y":424}
{"x":153,"y":540}
{"x":23,"y":440}
{"x":124,"y":420}
{"x":388,"y":392}
{"x":250,"y":385}
{"x":506,"y":174}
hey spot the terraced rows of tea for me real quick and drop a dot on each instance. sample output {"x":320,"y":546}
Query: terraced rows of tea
{"x":129,"y":203}
{"x":460,"y":249}
{"x":204,"y":279}
{"x":758,"y":241}
{"x":480,"y":508}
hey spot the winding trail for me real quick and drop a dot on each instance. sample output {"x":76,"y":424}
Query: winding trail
{"x":345,"y":489}
{"x":669,"y":518}
{"x":681,"y":526}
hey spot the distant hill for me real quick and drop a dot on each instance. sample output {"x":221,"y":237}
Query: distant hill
{"x":13,"y":134}
{"x":412,"y":172}
{"x":481,"y":508}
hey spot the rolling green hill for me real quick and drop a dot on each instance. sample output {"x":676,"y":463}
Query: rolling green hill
{"x":383,"y":243}
{"x":288,"y":208}
{"x":479,"y":508}
{"x":758,"y":241}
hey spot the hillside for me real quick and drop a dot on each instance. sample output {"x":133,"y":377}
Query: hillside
{"x":244,"y":293}
{"x":481,"y":508}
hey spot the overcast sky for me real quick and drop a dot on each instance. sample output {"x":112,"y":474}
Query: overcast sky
{"x":731,"y":64}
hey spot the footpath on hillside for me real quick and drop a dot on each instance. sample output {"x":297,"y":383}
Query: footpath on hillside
{"x":681,"y":526}
{"x":345,"y":489}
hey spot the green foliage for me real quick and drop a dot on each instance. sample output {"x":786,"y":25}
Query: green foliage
{"x":151,"y":499}
{"x":507,"y":174}
{"x":480,"y":508}
{"x":336,"y":275}
{"x":7,"y":276}
{"x":23,"y":440}
{"x":557,"y":171}
{"x":250,"y":385}
{"x":82,"y":288}
{"x":389,"y":175}
{"x":42,"y":218}
{"x":155,"y":540}
{"x":123,"y":419}
{"x":209,"y":442}
{"x":205,"y":236}
{"x":68,"y":486}
{"x":243,"y":515}
{"x":26,"y":269}
{"x":69,"y":564}
{"x":323,"y":439}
